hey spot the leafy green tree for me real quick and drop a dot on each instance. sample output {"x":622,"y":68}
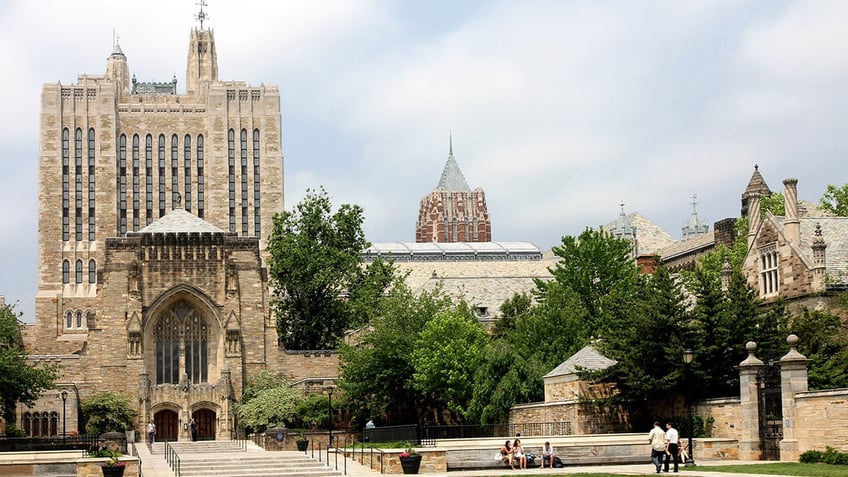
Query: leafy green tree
{"x":107,"y":411}
{"x":446,"y":355}
{"x":268,"y":400}
{"x":321,"y":289}
{"x":835,"y":200}
{"x":824,"y":341}
{"x":20,"y":381}
{"x":774,"y":203}
{"x":377,"y":371}
{"x":598,"y":268}
{"x":512,"y":310}
{"x":499,"y":383}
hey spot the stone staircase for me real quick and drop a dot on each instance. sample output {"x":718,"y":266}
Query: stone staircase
{"x":231,"y":459}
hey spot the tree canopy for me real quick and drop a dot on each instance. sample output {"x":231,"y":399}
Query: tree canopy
{"x":268,"y":400}
{"x":321,"y":289}
{"x":835,"y":200}
{"x":20,"y":381}
{"x":107,"y":411}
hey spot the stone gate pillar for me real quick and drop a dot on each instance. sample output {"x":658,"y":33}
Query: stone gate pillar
{"x":749,"y":438}
{"x":793,"y":379}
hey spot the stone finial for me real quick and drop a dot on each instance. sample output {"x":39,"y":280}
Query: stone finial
{"x":793,"y":354}
{"x":751,"y":360}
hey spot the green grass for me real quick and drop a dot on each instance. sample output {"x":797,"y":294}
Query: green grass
{"x":781,"y":468}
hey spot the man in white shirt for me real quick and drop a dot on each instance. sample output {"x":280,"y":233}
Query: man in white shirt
{"x":672,"y":450}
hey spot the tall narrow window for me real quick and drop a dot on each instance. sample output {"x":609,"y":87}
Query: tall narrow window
{"x":200,"y":191}
{"x":122,"y":185}
{"x":257,"y":217}
{"x":161,"y":175}
{"x":69,"y":319}
{"x":66,"y":271}
{"x":92,"y":271}
{"x":92,"y":186}
{"x":148,"y":179}
{"x":135,"y":183}
{"x":78,"y":270}
{"x":78,"y":317}
{"x":66,"y":186}
{"x":78,"y":185}
{"x":769,"y":279}
{"x":196,"y":348}
{"x":187,"y":158}
{"x":231,"y":175}
{"x":244,"y":182}
{"x":175,"y":172}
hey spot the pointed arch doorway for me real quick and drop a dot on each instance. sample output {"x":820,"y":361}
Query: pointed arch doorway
{"x":205,"y":420}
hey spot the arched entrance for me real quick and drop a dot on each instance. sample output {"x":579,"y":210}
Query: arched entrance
{"x":167,"y":425}
{"x":205,"y":420}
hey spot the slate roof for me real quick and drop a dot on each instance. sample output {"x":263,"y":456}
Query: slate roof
{"x":650,"y":237}
{"x":699,"y":242}
{"x":179,"y":221}
{"x":452,"y":178}
{"x":453,"y":251}
{"x":834,"y":231}
{"x":587,"y":358}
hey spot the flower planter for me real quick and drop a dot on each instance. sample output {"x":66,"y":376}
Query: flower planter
{"x":410,"y":463}
{"x":302,"y":445}
{"x":113,"y":470}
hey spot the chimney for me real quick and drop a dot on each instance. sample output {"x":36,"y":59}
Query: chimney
{"x":791,"y":224}
{"x":753,"y":217}
{"x":819,"y":262}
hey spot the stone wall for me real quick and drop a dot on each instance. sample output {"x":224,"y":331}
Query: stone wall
{"x":821,"y":418}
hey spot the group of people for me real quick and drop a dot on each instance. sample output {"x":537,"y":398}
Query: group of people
{"x":513,"y":452}
{"x":665,"y":446}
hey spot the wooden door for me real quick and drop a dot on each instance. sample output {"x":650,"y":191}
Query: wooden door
{"x":205,"y":420}
{"x":167,"y":425}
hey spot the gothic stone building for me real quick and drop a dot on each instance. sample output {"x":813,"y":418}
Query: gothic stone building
{"x":155,"y":209}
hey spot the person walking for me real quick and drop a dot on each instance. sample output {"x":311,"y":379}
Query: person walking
{"x":657,"y":440}
{"x":672,"y":450}
{"x":151,"y":432}
{"x":193,"y":427}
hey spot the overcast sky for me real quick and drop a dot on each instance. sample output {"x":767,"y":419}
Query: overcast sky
{"x":559,"y":110}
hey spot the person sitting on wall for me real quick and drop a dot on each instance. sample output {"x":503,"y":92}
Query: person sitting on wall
{"x":548,"y":455}
{"x":506,"y":452}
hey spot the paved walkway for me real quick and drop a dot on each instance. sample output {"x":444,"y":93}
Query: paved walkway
{"x":155,"y":466}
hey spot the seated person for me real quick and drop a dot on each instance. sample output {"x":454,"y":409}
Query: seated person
{"x":506,"y":452}
{"x":519,"y":455}
{"x":548,"y":455}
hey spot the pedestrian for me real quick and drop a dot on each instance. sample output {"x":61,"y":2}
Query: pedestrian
{"x":193,"y":426}
{"x":657,"y":439}
{"x":370,"y":424}
{"x":673,"y":446}
{"x":151,"y":432}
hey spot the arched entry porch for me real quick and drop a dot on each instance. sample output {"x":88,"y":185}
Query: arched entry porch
{"x":205,"y":419}
{"x":167,"y":423}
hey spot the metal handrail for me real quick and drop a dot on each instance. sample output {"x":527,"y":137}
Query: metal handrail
{"x":172,"y":458}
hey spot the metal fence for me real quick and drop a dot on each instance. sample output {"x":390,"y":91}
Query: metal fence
{"x":427,"y":435}
{"x":20,"y":444}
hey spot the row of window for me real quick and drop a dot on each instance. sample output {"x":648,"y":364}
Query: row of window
{"x":78,"y":178}
{"x":769,"y":282}
{"x":41,"y":424}
{"x":78,"y":319}
{"x":453,"y":227}
{"x":78,"y":272}
{"x":231,"y":174}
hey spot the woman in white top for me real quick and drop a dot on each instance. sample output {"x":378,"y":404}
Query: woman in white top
{"x":518,"y":453}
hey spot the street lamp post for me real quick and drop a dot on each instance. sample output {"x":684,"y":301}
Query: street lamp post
{"x":64,"y":395}
{"x":330,"y":415}
{"x":688,"y":357}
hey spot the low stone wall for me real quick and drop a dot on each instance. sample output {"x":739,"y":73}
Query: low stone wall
{"x":61,"y":463}
{"x":387,"y":461}
{"x":820,"y":418}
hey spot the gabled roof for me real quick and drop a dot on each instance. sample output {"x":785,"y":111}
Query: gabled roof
{"x":587,"y":359}
{"x":756,"y":185}
{"x":179,"y":221}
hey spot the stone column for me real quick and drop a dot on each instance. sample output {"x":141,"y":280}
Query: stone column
{"x":753,"y":218}
{"x":793,"y":379}
{"x":749,"y":437}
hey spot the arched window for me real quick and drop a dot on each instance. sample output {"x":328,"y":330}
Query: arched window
{"x":181,"y":324}
{"x":45,"y":424}
{"x":36,"y":424}
{"x":148,"y":179}
{"x":161,"y":175}
{"x":66,"y":271}
{"x":78,"y":271}
{"x":69,"y":320}
{"x":187,"y":166}
{"x":244,"y":183}
{"x":92,"y":271}
{"x":54,"y":423}
{"x":27,"y":421}
{"x":135,"y":183}
{"x":175,"y":171}
{"x":91,"y":185}
{"x":200,"y":191}
{"x":78,"y":185}
{"x":79,"y":319}
{"x":122,"y":185}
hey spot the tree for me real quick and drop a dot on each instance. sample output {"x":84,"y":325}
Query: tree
{"x":320,"y":287}
{"x":774,"y":203}
{"x":268,"y":400}
{"x":446,"y":355}
{"x":835,"y":200}
{"x":107,"y":412}
{"x":20,"y":381}
{"x":377,"y":371}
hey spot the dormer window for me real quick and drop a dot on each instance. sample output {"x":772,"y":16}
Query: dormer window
{"x":482,"y":311}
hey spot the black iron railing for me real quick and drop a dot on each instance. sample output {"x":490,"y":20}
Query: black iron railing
{"x":19,"y":444}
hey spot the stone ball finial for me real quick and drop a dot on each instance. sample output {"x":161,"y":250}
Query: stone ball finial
{"x":751,"y":347}
{"x":792,"y":340}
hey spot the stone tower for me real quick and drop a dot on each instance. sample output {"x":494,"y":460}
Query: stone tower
{"x":453,"y":212}
{"x":756,"y":186}
{"x":155,"y":209}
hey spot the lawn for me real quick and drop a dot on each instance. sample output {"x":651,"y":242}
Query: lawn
{"x":777,"y":468}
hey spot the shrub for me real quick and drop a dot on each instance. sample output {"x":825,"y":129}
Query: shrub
{"x":829,"y":456}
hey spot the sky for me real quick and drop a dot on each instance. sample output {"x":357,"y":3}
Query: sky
{"x":560,"y":110}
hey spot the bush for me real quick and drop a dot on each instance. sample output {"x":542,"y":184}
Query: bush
{"x":829,"y":456}
{"x":107,"y":411}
